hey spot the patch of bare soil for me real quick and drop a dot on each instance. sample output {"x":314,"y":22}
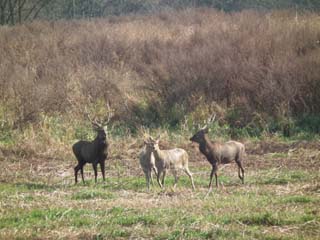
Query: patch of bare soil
{"x":123,"y":160}
{"x":264,"y":147}
{"x":302,"y":155}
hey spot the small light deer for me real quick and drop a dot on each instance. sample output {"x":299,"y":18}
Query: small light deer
{"x":147,"y":162}
{"x":219,"y":153}
{"x":173,"y":159}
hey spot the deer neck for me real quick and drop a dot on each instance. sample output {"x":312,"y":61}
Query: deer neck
{"x":100,"y":143}
{"x":158,"y":154}
{"x":148,"y":154}
{"x":204,"y":145}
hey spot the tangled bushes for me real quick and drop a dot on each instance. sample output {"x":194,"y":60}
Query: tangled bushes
{"x":266,"y":64}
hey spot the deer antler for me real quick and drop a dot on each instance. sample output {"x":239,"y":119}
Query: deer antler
{"x":145,"y":132}
{"x":93,"y":121}
{"x":212,"y":118}
{"x":96,"y":123}
{"x":108,"y":117}
{"x":110,"y":114}
{"x":209,"y":120}
{"x":99,"y":123}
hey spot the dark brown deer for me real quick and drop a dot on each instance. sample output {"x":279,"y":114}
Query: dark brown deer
{"x":94,"y":152}
{"x":219,"y":153}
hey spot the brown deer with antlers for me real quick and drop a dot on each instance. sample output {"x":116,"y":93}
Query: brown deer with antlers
{"x":219,"y":153}
{"x":94,"y":152}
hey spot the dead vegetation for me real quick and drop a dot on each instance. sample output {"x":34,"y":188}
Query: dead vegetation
{"x":260,"y":156}
{"x":257,"y":63}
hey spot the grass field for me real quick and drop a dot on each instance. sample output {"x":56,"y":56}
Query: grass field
{"x":162,"y":74}
{"x":279,"y":200}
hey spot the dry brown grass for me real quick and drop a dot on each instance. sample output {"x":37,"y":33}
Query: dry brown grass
{"x":257,"y":62}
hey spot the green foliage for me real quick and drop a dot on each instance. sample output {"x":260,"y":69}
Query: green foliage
{"x":308,"y":123}
{"x":129,"y":219}
{"x":198,"y":234}
{"x":261,"y":219}
{"x":6,"y":126}
{"x":146,"y":114}
{"x":92,"y":194}
{"x":284,"y":178}
{"x":297,"y":199}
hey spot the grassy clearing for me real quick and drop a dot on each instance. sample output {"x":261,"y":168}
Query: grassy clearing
{"x":280,"y":197}
{"x":283,"y":204}
{"x":139,"y":65}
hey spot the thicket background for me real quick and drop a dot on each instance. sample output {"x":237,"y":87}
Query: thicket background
{"x":258,"y":71}
{"x":13,"y":11}
{"x":161,"y":72}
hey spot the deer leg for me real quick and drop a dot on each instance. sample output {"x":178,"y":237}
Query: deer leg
{"x":151,"y":178}
{"x":213,"y":171}
{"x":216,"y":176}
{"x":241,"y":176}
{"x":155,"y":172}
{"x":242,"y":171}
{"x":103,"y":170}
{"x":187,"y":171}
{"x":82,"y":174}
{"x":146,"y":173}
{"x":94,"y":165}
{"x":158,"y":179}
{"x":163,"y":177}
{"x":175,"y":178}
{"x":76,"y":170}
{"x":211,"y":175}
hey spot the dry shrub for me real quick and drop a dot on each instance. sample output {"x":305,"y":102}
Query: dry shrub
{"x":267,"y":63}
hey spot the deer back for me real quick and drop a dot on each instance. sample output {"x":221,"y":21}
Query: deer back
{"x":176,"y":157}
{"x":231,"y":150}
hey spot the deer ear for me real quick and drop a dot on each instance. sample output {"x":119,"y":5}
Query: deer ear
{"x":206,"y":129}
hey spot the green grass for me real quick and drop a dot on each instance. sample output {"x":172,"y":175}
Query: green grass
{"x":282,"y":177}
{"x":101,"y":211}
{"x":282,"y":202}
{"x":91,"y":194}
{"x":298,"y":199}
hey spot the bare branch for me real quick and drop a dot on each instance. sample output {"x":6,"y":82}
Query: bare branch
{"x":32,"y":9}
{"x":40,"y":8}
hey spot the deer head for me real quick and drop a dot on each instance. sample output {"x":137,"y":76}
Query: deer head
{"x":153,"y":144}
{"x":199,"y":136}
{"x":100,"y":125}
